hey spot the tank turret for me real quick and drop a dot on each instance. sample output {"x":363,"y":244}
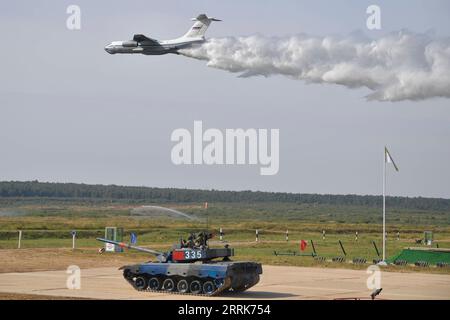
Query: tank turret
{"x":194,"y":249}
{"x":191,"y":267}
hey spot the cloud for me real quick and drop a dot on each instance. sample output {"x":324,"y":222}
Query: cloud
{"x":400,"y":66}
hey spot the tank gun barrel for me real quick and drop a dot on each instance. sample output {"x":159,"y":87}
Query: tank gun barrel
{"x":160,"y":255}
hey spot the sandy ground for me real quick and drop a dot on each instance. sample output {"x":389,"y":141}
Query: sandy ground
{"x":19,"y":296}
{"x":40,"y":274}
{"x":276,"y":283}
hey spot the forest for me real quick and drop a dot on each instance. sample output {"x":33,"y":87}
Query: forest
{"x":136,"y":194}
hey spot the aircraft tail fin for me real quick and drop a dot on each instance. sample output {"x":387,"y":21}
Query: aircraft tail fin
{"x":200,"y":26}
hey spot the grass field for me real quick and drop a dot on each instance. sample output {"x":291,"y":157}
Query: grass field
{"x":48,"y":225}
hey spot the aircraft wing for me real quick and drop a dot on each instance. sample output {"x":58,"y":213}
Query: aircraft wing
{"x":142,"y":38}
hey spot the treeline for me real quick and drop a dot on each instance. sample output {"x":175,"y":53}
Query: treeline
{"x":9,"y":189}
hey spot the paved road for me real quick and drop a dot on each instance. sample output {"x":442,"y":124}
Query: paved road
{"x":277,"y":283}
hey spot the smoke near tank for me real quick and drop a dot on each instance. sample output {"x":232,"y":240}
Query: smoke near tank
{"x":399,"y":66}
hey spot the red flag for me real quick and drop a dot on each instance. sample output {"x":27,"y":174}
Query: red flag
{"x":303,"y":245}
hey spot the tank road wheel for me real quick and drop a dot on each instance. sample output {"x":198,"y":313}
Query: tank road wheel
{"x":219,"y":282}
{"x":154,"y":283}
{"x":208,"y":287}
{"x":195,"y":287}
{"x":183,"y":286}
{"x":140,"y":282}
{"x":168,"y":284}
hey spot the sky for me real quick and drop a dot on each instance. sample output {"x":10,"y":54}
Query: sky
{"x":70,"y":112}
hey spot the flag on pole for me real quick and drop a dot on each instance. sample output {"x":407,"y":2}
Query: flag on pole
{"x":388,"y":158}
{"x":303,"y":245}
{"x":133,"y":238}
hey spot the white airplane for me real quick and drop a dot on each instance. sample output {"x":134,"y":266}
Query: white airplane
{"x":144,"y":45}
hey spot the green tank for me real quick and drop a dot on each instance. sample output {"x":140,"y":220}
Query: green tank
{"x":191,"y":267}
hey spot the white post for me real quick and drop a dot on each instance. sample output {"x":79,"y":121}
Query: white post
{"x":73,"y":240}
{"x":20,"y":239}
{"x":287,"y":235}
{"x":221,"y":234}
{"x":384,"y":206}
{"x":256,"y":235}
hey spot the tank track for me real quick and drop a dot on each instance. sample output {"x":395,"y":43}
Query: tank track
{"x":223,"y":288}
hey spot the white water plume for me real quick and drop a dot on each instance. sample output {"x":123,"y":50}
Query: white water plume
{"x":162,"y":211}
{"x":399,"y":66}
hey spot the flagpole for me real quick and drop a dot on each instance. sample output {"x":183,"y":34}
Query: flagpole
{"x":387,"y":158}
{"x":384,"y":206}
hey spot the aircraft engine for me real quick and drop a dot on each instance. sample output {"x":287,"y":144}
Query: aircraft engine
{"x":130,"y":44}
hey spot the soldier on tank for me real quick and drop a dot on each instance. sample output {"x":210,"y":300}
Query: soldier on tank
{"x":199,"y":239}
{"x":190,"y":241}
{"x":183,"y":243}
